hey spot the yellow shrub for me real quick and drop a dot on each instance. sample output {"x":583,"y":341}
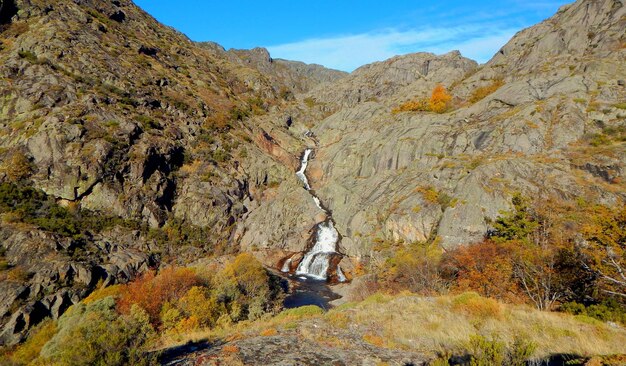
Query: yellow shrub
{"x":189,"y":324}
{"x":269,"y":332}
{"x":474,"y":305}
{"x":420,"y":105}
{"x":482,"y":92}
{"x":29,"y":351}
{"x":101,"y":293}
{"x":374,"y":340}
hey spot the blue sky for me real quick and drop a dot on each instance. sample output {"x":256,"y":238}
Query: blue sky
{"x":345,"y":34}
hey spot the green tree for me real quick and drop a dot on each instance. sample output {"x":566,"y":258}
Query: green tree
{"x":517,"y":224}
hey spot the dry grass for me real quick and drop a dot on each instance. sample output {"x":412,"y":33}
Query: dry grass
{"x":428,"y":324}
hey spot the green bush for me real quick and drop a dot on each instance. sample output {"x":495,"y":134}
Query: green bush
{"x":95,"y":334}
{"x":608,"y":311}
{"x":485,"y":352}
{"x":29,"y":205}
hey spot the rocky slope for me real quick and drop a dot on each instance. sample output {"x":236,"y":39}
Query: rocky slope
{"x":110,"y":113}
{"x":554,"y":126}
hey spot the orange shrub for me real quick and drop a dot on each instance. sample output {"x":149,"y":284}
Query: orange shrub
{"x":486,"y":268}
{"x":374,"y":340}
{"x":230,"y":349}
{"x":269,"y":332}
{"x":151,"y":291}
{"x":439,"y":100}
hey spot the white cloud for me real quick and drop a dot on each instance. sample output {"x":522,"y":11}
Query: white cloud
{"x":477,"y":41}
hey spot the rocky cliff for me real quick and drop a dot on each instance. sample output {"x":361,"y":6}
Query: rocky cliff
{"x":545,"y":117}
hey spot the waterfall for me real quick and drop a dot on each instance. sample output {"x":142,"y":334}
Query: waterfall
{"x":316,"y":262}
{"x":303,"y":164}
{"x":340,"y":276}
{"x":286,"y":266}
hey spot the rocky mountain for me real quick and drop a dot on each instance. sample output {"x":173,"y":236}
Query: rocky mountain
{"x":553,"y":124}
{"x":288,"y":77}
{"x":126,"y":146}
{"x":107,"y":112}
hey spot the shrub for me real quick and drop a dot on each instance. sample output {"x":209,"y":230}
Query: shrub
{"x":151,"y":291}
{"x":199,"y":303}
{"x":517,"y":224}
{"x":481,"y":92}
{"x":608,"y":311}
{"x":486,"y":268}
{"x":485,"y":352}
{"x":420,"y":105}
{"x":439,"y":100}
{"x":39,"y":336}
{"x":249,"y":289}
{"x":310,"y":102}
{"x":474,"y":305}
{"x":520,"y":352}
{"x":33,"y":206}
{"x":374,"y":340}
{"x":95,"y":334}
{"x":269,"y":332}
{"x":18,"y":167}
{"x":416,"y":267}
{"x":101,"y":293}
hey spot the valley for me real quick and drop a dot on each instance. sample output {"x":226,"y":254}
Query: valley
{"x":204,"y":206}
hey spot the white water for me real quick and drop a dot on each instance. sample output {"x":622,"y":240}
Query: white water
{"x":341,"y":277}
{"x":286,"y":266}
{"x":303,"y":164}
{"x":316,"y":262}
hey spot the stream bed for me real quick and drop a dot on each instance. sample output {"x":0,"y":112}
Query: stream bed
{"x":309,"y":291}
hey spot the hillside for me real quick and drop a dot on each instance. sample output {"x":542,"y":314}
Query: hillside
{"x":135,"y":135}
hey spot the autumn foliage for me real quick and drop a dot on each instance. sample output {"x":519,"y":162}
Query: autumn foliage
{"x":151,"y":291}
{"x":485,"y":268}
{"x":439,"y":102}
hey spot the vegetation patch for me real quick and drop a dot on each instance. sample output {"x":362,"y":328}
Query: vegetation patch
{"x":439,"y":102}
{"x":480,"y":93}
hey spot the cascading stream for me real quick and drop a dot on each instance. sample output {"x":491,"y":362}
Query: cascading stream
{"x":316,"y":262}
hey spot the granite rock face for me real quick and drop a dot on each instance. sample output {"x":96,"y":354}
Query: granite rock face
{"x":561,"y":87}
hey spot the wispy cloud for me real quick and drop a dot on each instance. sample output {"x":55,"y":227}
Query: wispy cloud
{"x":477,"y":41}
